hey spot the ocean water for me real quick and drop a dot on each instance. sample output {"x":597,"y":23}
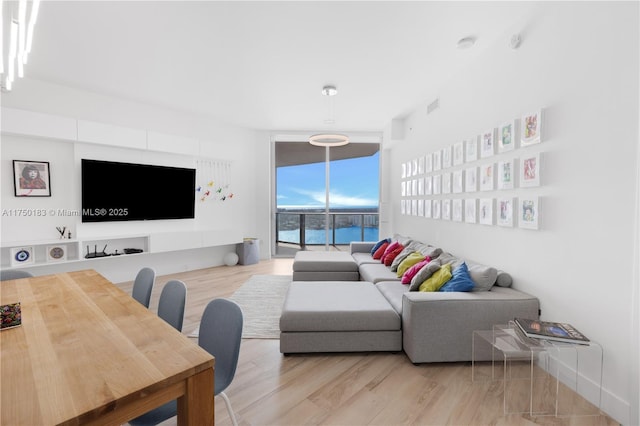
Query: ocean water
{"x":316,"y":236}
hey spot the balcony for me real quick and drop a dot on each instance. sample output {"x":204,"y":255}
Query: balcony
{"x":305,"y":230}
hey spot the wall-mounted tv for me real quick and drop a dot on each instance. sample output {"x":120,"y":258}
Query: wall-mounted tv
{"x":114,"y":191}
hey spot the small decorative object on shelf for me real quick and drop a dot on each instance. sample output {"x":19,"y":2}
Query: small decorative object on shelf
{"x":22,"y":256}
{"x":561,"y":332}
{"x":56,"y":253}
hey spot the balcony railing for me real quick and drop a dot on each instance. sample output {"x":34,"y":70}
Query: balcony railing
{"x":308,"y":228}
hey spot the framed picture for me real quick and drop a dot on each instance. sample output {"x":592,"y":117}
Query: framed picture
{"x":421,"y":165}
{"x":409,"y":173}
{"x":420,"y":207}
{"x":446,"y":157}
{"x":427,"y":208}
{"x":456,"y":210}
{"x":31,"y":178}
{"x":420,"y":186}
{"x":446,"y":209}
{"x":506,"y":136}
{"x":458,"y":153}
{"x":529,"y":212}
{"x":471,"y":179}
{"x":531,"y":128}
{"x":414,"y":167}
{"x":471,"y":149}
{"x":403,"y":189}
{"x":428,"y":185}
{"x":403,"y":207}
{"x":435,"y":209}
{"x":437,"y":184}
{"x":403,"y":173}
{"x":485,"y":211}
{"x":486,"y":177}
{"x":457,"y":184}
{"x":414,"y":207}
{"x":446,"y":183}
{"x":530,"y":171}
{"x":505,"y":211}
{"x":487,"y":143}
{"x":506,"y":174}
{"x":470,"y":215}
{"x":21,"y":256}
{"x":437,"y":160}
{"x":428,"y":163}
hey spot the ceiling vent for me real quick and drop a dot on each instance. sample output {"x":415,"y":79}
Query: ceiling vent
{"x":433,"y":106}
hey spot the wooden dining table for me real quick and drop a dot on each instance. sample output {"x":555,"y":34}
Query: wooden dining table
{"x":88,"y":353}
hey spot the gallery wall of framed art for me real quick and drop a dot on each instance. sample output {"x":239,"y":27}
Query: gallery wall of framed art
{"x":487,"y":179}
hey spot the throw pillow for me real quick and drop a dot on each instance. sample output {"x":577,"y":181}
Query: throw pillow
{"x":408,"y":249}
{"x":388,"y":259}
{"x":378,"y":244}
{"x":504,"y":279}
{"x":423,"y":274}
{"x":378,"y":254}
{"x":391,"y":247}
{"x":412,"y":271}
{"x":483,"y":276}
{"x":460,"y":280}
{"x":408,"y":262}
{"x":437,"y":280}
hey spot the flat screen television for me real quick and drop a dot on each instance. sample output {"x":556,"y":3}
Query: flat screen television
{"x":114,"y":191}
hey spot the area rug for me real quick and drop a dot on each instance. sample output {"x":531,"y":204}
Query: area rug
{"x":261,"y":298}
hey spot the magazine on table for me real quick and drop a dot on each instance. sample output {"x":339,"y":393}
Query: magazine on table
{"x":557,"y":331}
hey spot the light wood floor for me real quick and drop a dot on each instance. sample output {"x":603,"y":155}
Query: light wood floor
{"x":342,"y":389}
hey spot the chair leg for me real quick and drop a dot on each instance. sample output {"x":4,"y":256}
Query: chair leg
{"x":229,"y":409}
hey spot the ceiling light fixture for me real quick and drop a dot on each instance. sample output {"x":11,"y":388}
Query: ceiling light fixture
{"x":329,"y":139}
{"x":466,"y":42}
{"x":20,"y":35}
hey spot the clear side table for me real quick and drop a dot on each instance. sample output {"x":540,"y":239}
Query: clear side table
{"x":540,"y":377}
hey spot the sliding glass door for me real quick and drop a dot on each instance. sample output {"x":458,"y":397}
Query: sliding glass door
{"x":325,"y":200}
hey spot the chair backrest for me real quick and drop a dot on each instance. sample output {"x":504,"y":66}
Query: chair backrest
{"x":221,"y":334}
{"x":14,"y":274}
{"x":171,"y":304}
{"x":142,"y":286}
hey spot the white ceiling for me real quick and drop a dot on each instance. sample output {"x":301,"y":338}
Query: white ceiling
{"x":262,"y":64}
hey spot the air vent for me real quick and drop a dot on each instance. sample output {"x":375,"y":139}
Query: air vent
{"x":433,"y":106}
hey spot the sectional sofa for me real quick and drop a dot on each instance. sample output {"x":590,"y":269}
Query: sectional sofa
{"x":325,"y":315}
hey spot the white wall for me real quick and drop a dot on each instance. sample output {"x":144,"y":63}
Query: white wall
{"x":578,"y":61}
{"x":214,"y":140}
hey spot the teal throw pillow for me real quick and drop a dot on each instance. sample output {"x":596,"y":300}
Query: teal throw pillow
{"x":460,"y":280}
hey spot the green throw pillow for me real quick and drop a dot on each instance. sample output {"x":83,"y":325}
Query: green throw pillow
{"x":437,"y":280}
{"x":408,"y":262}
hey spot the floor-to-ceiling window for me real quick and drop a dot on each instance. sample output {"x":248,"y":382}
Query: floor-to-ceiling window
{"x":310,"y":217}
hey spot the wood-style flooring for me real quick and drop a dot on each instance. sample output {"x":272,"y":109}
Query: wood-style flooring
{"x":342,"y":389}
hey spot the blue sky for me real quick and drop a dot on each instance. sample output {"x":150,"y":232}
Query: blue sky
{"x":353,"y":183}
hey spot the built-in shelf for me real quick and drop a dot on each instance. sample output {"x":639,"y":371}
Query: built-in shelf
{"x":49,"y":252}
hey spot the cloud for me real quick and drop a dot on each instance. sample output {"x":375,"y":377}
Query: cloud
{"x":338,"y":200}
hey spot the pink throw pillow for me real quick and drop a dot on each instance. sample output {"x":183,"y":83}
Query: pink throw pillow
{"x":412,"y":271}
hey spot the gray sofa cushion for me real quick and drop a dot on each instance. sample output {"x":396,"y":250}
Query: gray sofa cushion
{"x":362,"y":258}
{"x":431,"y":251}
{"x":336,"y":306}
{"x":393,"y":292}
{"x":319,"y":261}
{"x":376,"y":272}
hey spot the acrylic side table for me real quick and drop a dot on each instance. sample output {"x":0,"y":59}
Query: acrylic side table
{"x":540,"y":377}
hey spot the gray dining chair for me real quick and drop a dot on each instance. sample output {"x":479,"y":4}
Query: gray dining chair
{"x":143,"y":285}
{"x":171,"y":303}
{"x":14,"y":274}
{"x":220,"y":335}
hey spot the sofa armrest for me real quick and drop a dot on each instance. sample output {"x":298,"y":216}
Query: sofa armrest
{"x":438,"y":326}
{"x":361,"y":246}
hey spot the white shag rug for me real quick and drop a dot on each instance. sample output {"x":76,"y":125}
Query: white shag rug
{"x":261,"y":298}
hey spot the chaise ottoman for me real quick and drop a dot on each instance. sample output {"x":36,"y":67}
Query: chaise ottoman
{"x":338,"y":316}
{"x":324,"y":266}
